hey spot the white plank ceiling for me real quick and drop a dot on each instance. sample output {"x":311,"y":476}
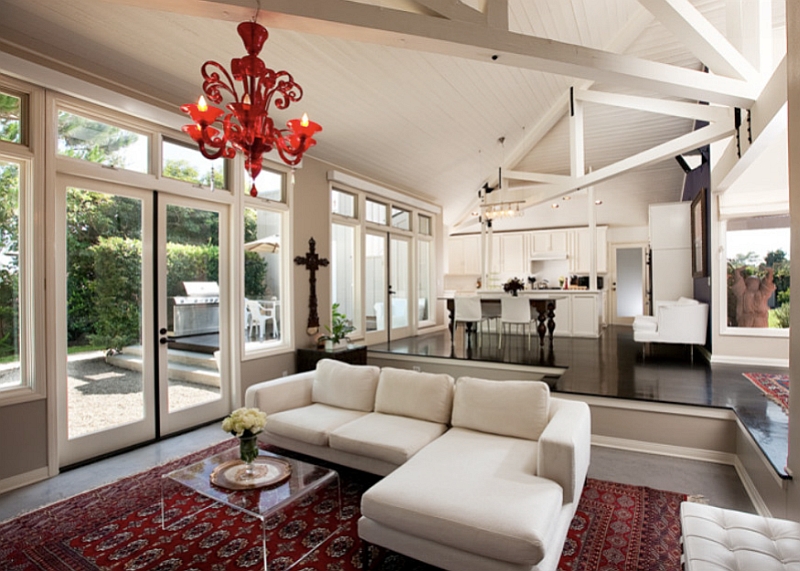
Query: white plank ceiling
{"x":421,"y":122}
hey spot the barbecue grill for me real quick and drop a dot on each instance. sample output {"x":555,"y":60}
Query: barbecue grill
{"x":197,"y":312}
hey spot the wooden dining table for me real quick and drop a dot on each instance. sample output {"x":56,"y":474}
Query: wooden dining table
{"x":544,"y":303}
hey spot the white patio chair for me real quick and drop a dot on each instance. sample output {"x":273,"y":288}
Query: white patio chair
{"x":259,"y":315}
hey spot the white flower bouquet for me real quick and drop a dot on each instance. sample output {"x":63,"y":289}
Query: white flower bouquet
{"x":245,"y":422}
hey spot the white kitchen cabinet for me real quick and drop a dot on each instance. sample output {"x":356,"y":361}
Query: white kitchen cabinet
{"x":463,"y":255}
{"x":563,"y":317}
{"x":585,"y":314}
{"x":513,"y":253}
{"x":548,"y":241}
{"x":580,"y":250}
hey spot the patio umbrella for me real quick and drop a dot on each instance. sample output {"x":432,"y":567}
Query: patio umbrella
{"x":265,"y":245}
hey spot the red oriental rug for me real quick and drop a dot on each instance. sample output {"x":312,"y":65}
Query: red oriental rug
{"x":775,"y":387}
{"x":617,"y":527}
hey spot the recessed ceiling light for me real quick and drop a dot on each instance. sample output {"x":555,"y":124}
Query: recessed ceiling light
{"x":555,"y":205}
{"x":568,"y":197}
{"x":598,"y":202}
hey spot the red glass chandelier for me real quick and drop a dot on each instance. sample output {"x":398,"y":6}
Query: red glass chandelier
{"x":246,"y":125}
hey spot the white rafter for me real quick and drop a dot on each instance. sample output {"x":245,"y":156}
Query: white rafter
{"x":454,"y":10}
{"x":355,"y":21}
{"x":702,"y":38}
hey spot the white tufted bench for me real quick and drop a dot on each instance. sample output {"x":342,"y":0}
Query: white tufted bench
{"x":716,"y":539}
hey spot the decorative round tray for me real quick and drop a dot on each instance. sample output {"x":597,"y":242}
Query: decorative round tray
{"x":267,"y":472}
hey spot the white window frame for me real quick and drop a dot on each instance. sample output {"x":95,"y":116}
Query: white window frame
{"x":32,"y":328}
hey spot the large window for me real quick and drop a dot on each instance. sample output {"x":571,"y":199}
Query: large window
{"x":270,"y":185}
{"x":758,"y":272}
{"x":425,"y":281}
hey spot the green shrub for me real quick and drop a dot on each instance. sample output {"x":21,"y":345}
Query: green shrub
{"x":117,"y":287}
{"x":782,"y":316}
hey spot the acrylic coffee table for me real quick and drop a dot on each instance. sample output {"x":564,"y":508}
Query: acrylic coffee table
{"x":273,"y":505}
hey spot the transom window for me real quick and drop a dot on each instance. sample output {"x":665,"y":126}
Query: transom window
{"x":11,"y":128}
{"x":270,"y":185}
{"x":182,"y":162}
{"x":376,"y":212}
{"x":343,"y":203}
{"x":401,"y":219}
{"x":97,"y":142}
{"x":425,"y":227}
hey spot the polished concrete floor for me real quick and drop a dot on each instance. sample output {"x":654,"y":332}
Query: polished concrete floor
{"x":615,"y":366}
{"x":719,"y":484}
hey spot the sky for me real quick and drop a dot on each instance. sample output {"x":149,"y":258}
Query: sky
{"x":758,"y":241}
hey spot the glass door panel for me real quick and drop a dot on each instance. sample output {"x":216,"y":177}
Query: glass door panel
{"x":104,"y":402}
{"x":191,"y":339}
{"x":375,"y":287}
{"x":400,"y":286}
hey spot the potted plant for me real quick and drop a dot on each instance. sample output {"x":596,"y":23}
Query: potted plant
{"x":513,"y":286}
{"x":339,"y":329}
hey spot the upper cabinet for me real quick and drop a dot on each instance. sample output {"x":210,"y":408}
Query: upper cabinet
{"x":581,"y":251}
{"x":512,"y":252}
{"x":543,"y":242}
{"x":463,"y":255}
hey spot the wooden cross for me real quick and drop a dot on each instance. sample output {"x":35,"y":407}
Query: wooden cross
{"x":312,"y":262}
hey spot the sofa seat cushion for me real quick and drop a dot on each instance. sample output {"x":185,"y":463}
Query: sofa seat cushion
{"x":472,"y":491}
{"x":507,"y":408}
{"x":345,"y":386}
{"x":386,"y":437}
{"x":426,"y":396}
{"x":311,"y":424}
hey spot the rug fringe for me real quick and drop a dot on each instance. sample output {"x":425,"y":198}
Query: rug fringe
{"x":697,"y":499}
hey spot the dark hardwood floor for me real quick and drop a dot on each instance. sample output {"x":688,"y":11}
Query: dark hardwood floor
{"x":614,"y":366}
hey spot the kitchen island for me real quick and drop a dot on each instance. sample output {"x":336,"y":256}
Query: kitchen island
{"x":581,"y":313}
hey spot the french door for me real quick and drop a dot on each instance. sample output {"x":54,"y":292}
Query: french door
{"x":388,"y":287}
{"x":129,"y":368}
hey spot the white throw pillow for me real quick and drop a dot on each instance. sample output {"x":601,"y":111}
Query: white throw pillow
{"x":687,"y":301}
{"x":508,"y":408}
{"x":426,"y":396}
{"x":346,"y":386}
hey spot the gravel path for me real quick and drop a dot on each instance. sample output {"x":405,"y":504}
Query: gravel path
{"x":102,"y":396}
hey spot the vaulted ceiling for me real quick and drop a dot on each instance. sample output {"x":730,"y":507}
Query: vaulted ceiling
{"x":408,"y":93}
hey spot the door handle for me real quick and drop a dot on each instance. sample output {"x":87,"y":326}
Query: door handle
{"x":163,"y":340}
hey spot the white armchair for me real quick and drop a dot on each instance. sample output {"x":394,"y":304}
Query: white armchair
{"x":682,"y":321}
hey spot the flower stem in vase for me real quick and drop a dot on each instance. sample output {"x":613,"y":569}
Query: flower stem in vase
{"x":248,"y":452}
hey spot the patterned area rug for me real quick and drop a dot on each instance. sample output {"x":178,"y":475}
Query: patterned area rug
{"x":119,"y":527}
{"x":775,"y":387}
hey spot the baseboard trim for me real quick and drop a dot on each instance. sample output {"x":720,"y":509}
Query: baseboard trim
{"x":748,"y":361}
{"x":670,"y":450}
{"x":752,"y":491}
{"x":25,"y":479}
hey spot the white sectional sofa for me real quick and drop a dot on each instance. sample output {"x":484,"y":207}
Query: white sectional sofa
{"x":479,"y":475}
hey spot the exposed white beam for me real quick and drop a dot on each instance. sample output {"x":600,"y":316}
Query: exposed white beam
{"x":454,"y":10}
{"x":355,"y":21}
{"x":536,"y":177}
{"x":677,"y":146}
{"x":768,"y":120}
{"x":577,"y":156}
{"x":497,"y":14}
{"x":749,"y":28}
{"x":702,"y":38}
{"x":694,"y":111}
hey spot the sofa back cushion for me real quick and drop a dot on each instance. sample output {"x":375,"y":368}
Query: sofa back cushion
{"x":345,"y":386}
{"x":425,"y":396}
{"x":508,"y":408}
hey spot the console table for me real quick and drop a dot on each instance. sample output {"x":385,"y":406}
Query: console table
{"x":306,"y":359}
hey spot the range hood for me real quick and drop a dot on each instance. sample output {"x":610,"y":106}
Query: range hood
{"x":543,"y":256}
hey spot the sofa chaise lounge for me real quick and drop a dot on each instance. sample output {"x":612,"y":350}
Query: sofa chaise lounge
{"x":479,"y":474}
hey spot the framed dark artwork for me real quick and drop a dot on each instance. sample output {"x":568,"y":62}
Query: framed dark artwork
{"x":699,"y":236}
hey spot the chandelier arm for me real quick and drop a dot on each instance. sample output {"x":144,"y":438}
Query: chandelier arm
{"x":212,"y":83}
{"x":288,"y":90}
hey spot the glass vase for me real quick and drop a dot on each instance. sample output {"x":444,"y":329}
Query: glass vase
{"x":248,"y":452}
